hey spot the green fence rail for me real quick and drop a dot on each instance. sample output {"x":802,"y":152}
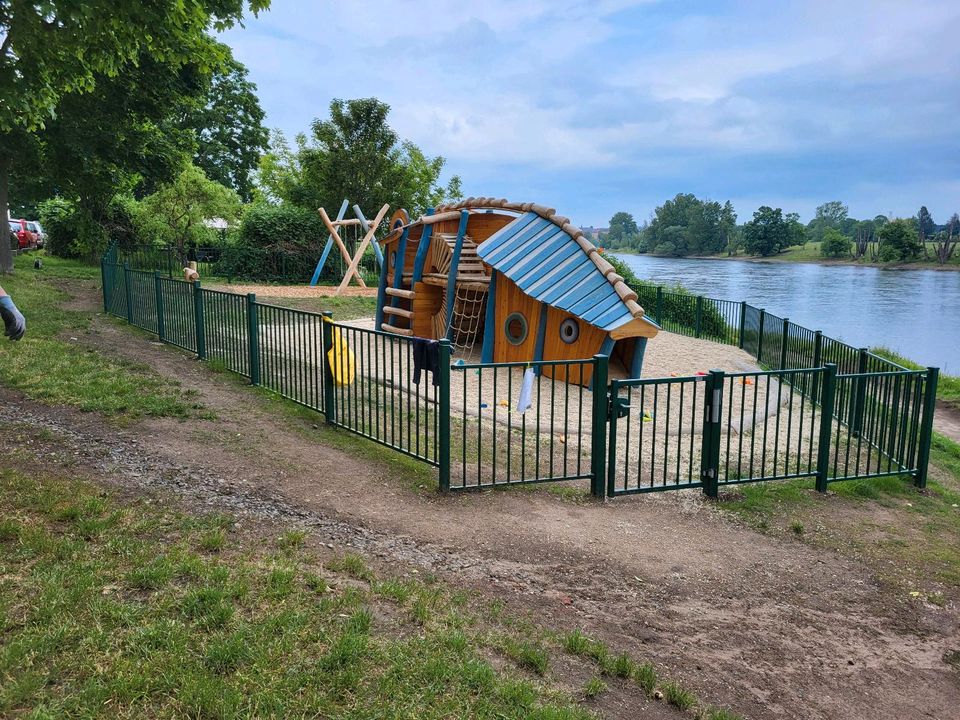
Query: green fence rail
{"x":823,"y":410}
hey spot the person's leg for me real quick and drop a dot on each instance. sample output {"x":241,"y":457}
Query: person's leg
{"x":14,"y":324}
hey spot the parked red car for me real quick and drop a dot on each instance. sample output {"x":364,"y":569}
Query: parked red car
{"x":28,"y":234}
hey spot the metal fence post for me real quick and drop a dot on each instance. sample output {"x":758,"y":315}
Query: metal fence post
{"x":860,"y":392}
{"x":926,"y":426}
{"x":329,"y":407}
{"x":659,"y":307}
{"x":158,"y":295}
{"x":763,"y":316}
{"x":743,"y":322}
{"x":443,"y":411}
{"x":783,"y":344}
{"x":103,"y":282}
{"x":698,"y":320}
{"x":253,"y":343}
{"x":817,"y":360}
{"x":598,"y":444}
{"x":201,"y":331}
{"x":128,"y":291}
{"x":710,"y":444}
{"x":826,"y":424}
{"x":616,"y":408}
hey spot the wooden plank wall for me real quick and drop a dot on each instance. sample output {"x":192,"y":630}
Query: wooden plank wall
{"x":511,"y":299}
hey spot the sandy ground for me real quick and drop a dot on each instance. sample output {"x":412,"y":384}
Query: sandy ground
{"x":295,"y":291}
{"x":764,"y":624}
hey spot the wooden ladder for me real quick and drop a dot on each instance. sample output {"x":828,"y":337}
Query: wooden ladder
{"x":396,"y":312}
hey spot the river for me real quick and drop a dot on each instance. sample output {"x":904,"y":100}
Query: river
{"x":915,"y":312}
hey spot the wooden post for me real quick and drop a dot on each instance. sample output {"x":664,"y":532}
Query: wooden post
{"x":352,"y":267}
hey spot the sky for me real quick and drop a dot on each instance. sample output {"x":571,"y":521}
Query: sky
{"x":597,"y":107}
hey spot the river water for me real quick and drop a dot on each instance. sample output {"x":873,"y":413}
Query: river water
{"x":915,"y":312}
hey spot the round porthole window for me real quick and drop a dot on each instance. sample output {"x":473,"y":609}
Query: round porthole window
{"x":393,"y":259}
{"x":515,"y":328}
{"x":569,"y":331}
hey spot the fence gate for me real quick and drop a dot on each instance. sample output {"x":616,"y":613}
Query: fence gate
{"x":495,"y":440}
{"x":656,"y":434}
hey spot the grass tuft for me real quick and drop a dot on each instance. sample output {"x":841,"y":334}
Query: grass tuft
{"x":527,"y":655}
{"x":676,"y":695}
{"x":593,"y":687}
{"x":645,"y":675}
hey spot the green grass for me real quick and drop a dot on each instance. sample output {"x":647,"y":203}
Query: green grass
{"x":810,"y":252}
{"x":343,"y":308}
{"x":132,"y":622}
{"x":49,"y":364}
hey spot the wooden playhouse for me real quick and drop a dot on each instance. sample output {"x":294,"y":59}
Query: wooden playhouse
{"x":517,"y":278}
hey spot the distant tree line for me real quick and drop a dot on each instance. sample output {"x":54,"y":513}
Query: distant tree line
{"x":688,"y":226}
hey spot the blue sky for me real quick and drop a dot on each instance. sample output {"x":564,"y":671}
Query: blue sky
{"x":595,"y":107}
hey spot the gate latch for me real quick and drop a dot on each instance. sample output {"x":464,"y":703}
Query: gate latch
{"x":619,"y":406}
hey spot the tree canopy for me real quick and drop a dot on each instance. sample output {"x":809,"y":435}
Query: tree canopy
{"x":768,"y":232}
{"x":58,"y":47}
{"x":229,"y":129}
{"x":176,"y":212}
{"x":687,"y":225}
{"x":623,"y":231}
{"x":354,"y":154}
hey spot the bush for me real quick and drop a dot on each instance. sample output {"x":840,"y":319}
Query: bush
{"x":835,"y":244}
{"x":71,"y":232}
{"x":284,"y":227}
{"x":898,"y":241}
{"x":678,"y":307}
{"x":274,"y":243}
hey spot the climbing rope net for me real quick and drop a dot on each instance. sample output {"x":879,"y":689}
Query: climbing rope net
{"x":469,"y":307}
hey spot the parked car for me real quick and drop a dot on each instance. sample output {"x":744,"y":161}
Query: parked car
{"x":27,"y":235}
{"x":41,"y":235}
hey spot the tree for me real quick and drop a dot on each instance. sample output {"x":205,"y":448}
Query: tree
{"x":229,"y":129}
{"x":947,"y":239}
{"x":767,"y":233}
{"x":828,"y":215}
{"x":796,"y":232}
{"x":864,"y":235}
{"x":56,"y":47}
{"x":176,"y":212}
{"x":898,"y":241}
{"x":279,"y":173}
{"x":357,"y":155}
{"x":834,"y":244}
{"x":926,"y":227}
{"x":623,"y":231}
{"x":706,"y":225}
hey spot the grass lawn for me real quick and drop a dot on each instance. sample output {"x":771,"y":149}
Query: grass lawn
{"x":127,"y":608}
{"x":49,"y":364}
{"x":810,"y":252}
{"x":343,"y":308}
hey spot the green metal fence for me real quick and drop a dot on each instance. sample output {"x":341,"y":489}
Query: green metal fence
{"x":825,"y":410}
{"x":494,"y":442}
{"x":246,"y":263}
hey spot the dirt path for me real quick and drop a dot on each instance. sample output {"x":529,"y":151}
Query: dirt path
{"x":946,"y":421}
{"x":769,"y":627}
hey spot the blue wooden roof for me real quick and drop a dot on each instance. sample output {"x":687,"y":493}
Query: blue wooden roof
{"x":550,"y":266}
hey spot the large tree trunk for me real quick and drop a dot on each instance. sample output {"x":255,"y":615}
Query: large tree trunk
{"x":6,"y":253}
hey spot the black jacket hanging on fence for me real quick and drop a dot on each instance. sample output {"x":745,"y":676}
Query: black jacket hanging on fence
{"x":426,"y":356}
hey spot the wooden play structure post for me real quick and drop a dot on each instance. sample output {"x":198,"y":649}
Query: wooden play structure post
{"x":334,"y":228}
{"x":367,"y":238}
